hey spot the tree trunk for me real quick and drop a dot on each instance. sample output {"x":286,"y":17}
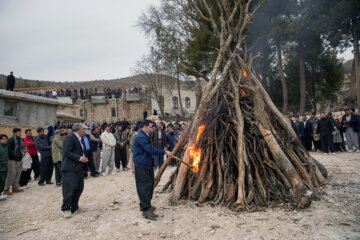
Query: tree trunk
{"x":302,"y":79}
{"x":356,"y":60}
{"x":282,"y":78}
{"x":179,"y":90}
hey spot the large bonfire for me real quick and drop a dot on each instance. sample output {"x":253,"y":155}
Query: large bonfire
{"x":239,"y":150}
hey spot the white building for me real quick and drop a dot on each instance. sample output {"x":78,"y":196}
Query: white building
{"x":171,"y":99}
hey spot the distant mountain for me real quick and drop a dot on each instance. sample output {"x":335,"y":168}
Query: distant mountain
{"x":127,"y":82}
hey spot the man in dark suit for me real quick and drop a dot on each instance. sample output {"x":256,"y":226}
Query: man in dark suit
{"x":10,"y":82}
{"x":72,"y":170}
{"x":144,"y":172}
{"x":305,"y":132}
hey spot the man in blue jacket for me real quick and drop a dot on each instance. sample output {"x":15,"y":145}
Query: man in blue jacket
{"x":144,"y":173}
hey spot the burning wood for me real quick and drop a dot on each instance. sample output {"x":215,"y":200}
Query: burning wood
{"x":249,"y":155}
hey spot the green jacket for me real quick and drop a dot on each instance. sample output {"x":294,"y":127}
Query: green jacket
{"x":132,"y":140}
{"x":57,"y":148}
{"x":4,"y":157}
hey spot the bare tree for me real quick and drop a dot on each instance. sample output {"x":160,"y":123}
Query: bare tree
{"x":152,"y":75}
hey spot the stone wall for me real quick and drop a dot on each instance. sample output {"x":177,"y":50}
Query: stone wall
{"x":104,"y":112}
{"x":8,"y":130}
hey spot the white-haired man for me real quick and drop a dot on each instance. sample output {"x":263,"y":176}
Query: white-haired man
{"x":72,"y":170}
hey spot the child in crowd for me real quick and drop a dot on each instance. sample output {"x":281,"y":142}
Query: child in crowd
{"x":26,"y":165}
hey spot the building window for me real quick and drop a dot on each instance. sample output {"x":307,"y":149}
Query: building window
{"x":187,"y":102}
{"x":113,"y":112}
{"x":175,"y":102}
{"x":10,"y":109}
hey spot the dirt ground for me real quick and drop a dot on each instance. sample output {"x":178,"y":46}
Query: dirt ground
{"x":113,"y":212}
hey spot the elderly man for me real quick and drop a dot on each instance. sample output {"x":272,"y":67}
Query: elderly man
{"x":144,"y":172}
{"x":72,"y":170}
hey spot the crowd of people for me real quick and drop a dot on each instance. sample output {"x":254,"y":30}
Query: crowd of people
{"x":75,"y":93}
{"x":328,"y":134}
{"x":107,"y":148}
{"x":86,"y":93}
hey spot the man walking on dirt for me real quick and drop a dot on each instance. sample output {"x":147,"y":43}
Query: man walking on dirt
{"x":144,"y":173}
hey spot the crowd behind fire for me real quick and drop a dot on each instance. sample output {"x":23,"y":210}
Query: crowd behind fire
{"x":108,"y":148}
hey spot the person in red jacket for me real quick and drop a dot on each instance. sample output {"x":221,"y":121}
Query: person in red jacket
{"x":29,"y":141}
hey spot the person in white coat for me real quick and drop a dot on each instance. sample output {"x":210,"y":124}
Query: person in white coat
{"x":108,"y":142}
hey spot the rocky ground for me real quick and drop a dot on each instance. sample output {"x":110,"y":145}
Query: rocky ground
{"x":113,"y":212}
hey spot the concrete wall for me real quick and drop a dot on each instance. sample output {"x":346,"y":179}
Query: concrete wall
{"x":28,"y":114}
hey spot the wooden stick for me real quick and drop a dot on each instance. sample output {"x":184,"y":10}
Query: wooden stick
{"x":187,"y":164}
{"x":176,"y":148}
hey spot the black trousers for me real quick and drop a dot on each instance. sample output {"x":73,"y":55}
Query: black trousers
{"x":35,"y":166}
{"x":327,"y":142}
{"x":144,"y":179}
{"x":10,"y":86}
{"x":120,"y":156}
{"x":338,"y":147}
{"x":72,"y":187}
{"x":46,"y":169}
{"x":58,"y":172}
{"x":89,"y":165}
{"x":24,"y":177}
{"x":306,"y":142}
{"x":317,"y":144}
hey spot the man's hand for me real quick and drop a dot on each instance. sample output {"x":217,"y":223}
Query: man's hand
{"x":168,"y":153}
{"x":121,"y":144}
{"x":334,"y":133}
{"x":84,"y":159}
{"x":113,"y":146}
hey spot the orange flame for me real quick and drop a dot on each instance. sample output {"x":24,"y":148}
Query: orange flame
{"x":242,"y":92}
{"x":195,"y":153}
{"x":244,"y":73}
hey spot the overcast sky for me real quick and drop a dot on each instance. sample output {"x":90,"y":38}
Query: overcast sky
{"x":72,"y":40}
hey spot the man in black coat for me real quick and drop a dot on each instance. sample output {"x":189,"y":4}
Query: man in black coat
{"x":326,"y":130}
{"x":46,"y":163}
{"x":10,"y":82}
{"x":305,"y":132}
{"x":72,"y":170}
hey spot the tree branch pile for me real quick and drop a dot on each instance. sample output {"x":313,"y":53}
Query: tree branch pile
{"x":249,"y":154}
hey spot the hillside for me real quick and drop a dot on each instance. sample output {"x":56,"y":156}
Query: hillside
{"x":126,"y":82}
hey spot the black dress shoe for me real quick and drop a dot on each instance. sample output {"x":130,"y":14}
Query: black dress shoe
{"x":49,"y":183}
{"x":58,"y":184}
{"x":41,"y":184}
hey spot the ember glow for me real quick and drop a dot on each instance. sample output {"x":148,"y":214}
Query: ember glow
{"x":195,"y":153}
{"x":242,"y":92}
{"x":244,"y":73}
